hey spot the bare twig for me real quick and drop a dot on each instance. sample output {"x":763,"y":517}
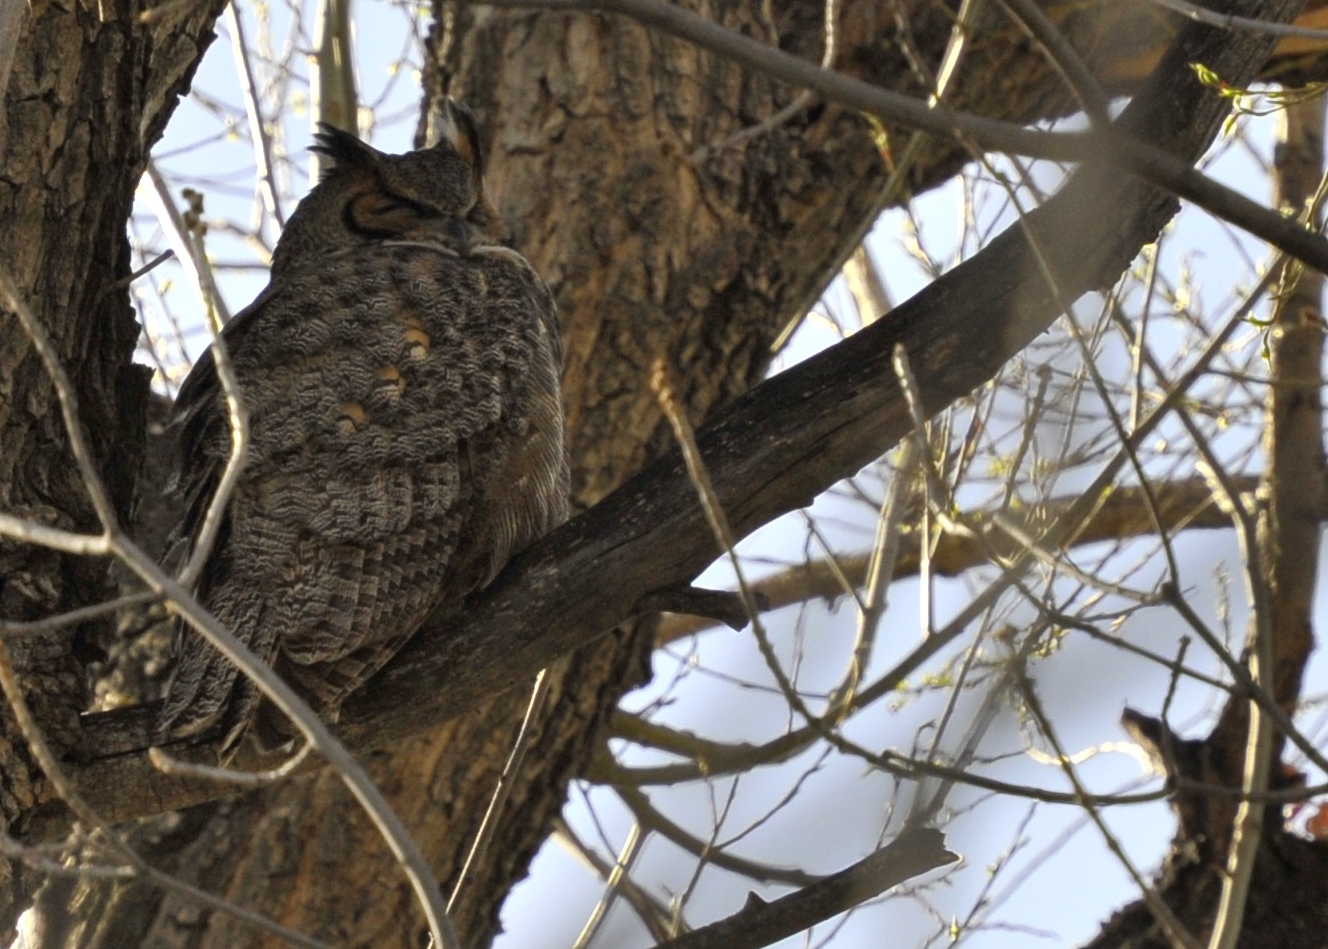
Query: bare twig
{"x":143,"y":271}
{"x":1229,"y":21}
{"x":719,"y":525}
{"x":503,"y":789}
{"x":244,"y":779}
{"x":237,"y":417}
{"x":654,"y":915}
{"x":901,"y":766}
{"x":1247,"y":831}
{"x":54,"y":865}
{"x":759,"y":923}
{"x":866,"y":286}
{"x":187,"y":251}
{"x":1064,"y":58}
{"x":899,"y":173}
{"x":1171,"y":595}
{"x":258,"y":133}
{"x":651,"y":819}
{"x":332,"y":74}
{"x":74,"y":617}
{"x":800,"y":101}
{"x":621,"y":871}
{"x":64,"y":391}
{"x":88,"y":545}
{"x":1183,"y":505}
{"x":880,"y":574}
{"x":1175,"y":930}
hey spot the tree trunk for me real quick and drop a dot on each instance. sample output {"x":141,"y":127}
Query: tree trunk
{"x":608,"y":156}
{"x":85,"y":99}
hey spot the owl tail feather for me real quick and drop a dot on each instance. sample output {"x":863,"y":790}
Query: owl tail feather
{"x":207,"y":693}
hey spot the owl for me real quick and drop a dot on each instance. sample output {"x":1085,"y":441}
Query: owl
{"x":401,"y":376}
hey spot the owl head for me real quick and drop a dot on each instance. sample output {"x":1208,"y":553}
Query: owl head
{"x":433,"y":195}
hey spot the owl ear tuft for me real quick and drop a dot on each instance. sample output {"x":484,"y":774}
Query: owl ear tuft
{"x":457,"y":129}
{"x":344,"y":148}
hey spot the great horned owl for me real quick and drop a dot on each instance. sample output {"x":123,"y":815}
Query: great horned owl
{"x":400,"y":372}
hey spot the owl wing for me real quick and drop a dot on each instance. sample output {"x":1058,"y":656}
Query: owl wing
{"x":405,"y":440}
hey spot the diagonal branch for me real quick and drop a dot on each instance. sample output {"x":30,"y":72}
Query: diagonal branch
{"x":759,"y":923}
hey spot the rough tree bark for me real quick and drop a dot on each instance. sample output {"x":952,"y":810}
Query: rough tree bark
{"x":85,"y":99}
{"x":607,"y":158}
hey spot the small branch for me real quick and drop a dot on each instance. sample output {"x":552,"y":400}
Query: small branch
{"x":762,"y":923}
{"x":143,"y":271}
{"x":651,"y":819}
{"x":503,"y":789}
{"x":800,"y":102}
{"x":915,"y":769}
{"x":1064,"y":59}
{"x":1176,"y":932}
{"x":75,"y":617}
{"x":237,"y":419}
{"x":613,"y":881}
{"x":721,"y":606}
{"x":1227,"y":21}
{"x":654,"y":915}
{"x":718,"y":521}
{"x":1240,"y":675}
{"x":244,"y":779}
{"x":332,"y":75}
{"x":88,"y":545}
{"x":1124,"y":513}
{"x":187,"y":251}
{"x":866,"y":286}
{"x":262,"y":142}
{"x":880,"y":575}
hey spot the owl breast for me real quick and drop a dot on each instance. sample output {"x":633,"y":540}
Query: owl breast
{"x":406,"y":438}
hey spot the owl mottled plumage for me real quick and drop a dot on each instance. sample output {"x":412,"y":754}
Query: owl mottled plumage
{"x":406,"y":431}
